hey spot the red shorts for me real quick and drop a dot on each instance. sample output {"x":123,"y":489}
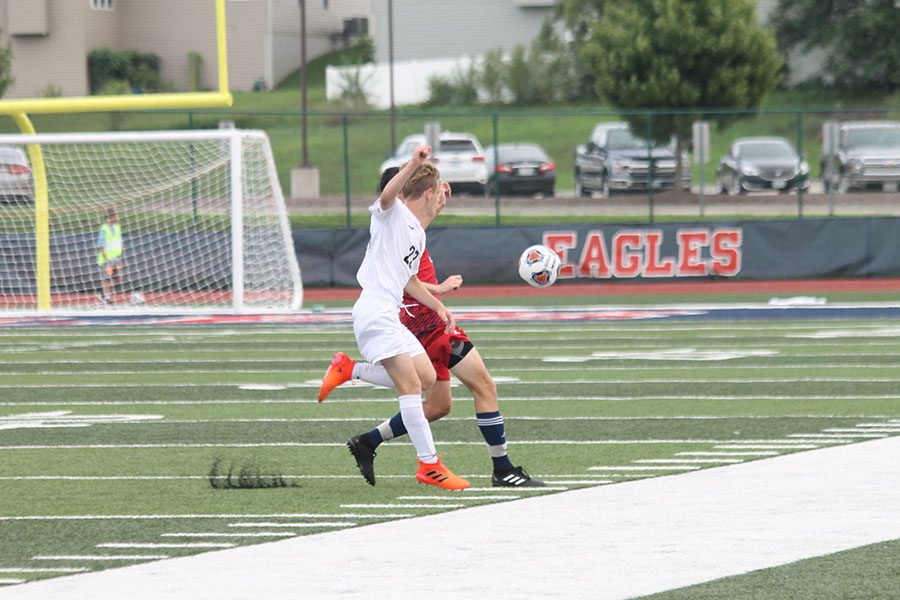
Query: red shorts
{"x":438,"y":346}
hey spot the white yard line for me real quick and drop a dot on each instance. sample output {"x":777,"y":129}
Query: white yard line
{"x":189,"y":516}
{"x":645,"y":468}
{"x":296,"y":525}
{"x":310,"y":384}
{"x":404,"y":505}
{"x":43,"y":570}
{"x":761,"y":453}
{"x":100,"y":557}
{"x":148,"y":546}
{"x":234,"y":534}
{"x":691,"y":461}
{"x":506,"y":400}
{"x":752,"y":446}
{"x":460,"y":497}
{"x":607,"y":542}
{"x":278,"y":401}
{"x":784,"y":444}
{"x":578,"y":481}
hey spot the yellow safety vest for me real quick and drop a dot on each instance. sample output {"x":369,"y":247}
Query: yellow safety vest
{"x":111,"y":242}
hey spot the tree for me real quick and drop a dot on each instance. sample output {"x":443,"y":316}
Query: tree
{"x":680,"y":54}
{"x":6,"y":78}
{"x":578,"y":16}
{"x":858,"y":37}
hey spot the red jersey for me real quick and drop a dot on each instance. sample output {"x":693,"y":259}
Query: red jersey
{"x":416,"y":317}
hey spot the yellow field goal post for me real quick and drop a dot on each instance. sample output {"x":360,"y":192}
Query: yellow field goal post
{"x":20,"y":109}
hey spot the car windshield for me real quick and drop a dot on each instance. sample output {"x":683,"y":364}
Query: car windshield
{"x":873,"y":136}
{"x":621,"y":139}
{"x":520,"y":155}
{"x":9,"y":156}
{"x":766,"y":150}
{"x":458,"y":146}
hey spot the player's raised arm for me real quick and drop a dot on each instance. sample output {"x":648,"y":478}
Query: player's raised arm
{"x":395,"y":185}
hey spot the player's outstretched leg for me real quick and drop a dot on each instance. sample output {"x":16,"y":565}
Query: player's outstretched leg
{"x":340,"y":371}
{"x":363,"y":446}
{"x":515,"y":477}
{"x":364,"y":455}
{"x":438,"y":475}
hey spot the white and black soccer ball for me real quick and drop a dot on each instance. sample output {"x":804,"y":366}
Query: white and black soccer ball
{"x":137,"y":298}
{"x":539,"y":266}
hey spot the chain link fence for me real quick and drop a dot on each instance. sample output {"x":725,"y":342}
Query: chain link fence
{"x":348,"y":149}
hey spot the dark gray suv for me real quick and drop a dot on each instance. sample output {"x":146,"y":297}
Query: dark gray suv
{"x":867,"y":155}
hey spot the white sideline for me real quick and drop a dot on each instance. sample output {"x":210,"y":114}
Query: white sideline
{"x":615,"y":541}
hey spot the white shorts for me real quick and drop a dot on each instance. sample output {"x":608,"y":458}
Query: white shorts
{"x":379,"y":333}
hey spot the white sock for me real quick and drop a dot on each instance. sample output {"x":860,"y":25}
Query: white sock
{"x":417,"y":427}
{"x":375,"y":374}
{"x":385,"y":430}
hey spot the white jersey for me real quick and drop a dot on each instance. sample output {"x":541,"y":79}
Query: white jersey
{"x":394,"y":250}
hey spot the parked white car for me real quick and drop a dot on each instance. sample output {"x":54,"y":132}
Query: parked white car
{"x":16,"y":181}
{"x":460,"y":159}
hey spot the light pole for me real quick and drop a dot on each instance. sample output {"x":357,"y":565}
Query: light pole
{"x":304,"y":178}
{"x":303,"y":125}
{"x":393,"y":112}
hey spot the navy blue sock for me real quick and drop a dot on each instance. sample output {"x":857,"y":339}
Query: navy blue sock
{"x":491,"y":426}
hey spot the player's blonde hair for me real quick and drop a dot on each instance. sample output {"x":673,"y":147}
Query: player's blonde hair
{"x":425,"y":177}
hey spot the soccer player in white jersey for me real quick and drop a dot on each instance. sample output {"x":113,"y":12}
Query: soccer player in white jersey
{"x":449,"y":352}
{"x":387,"y":271}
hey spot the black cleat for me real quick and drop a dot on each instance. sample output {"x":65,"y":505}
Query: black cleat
{"x":365,"y":457}
{"x":515,"y":477}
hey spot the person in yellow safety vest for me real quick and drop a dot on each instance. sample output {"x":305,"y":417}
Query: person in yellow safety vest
{"x":109,"y":255}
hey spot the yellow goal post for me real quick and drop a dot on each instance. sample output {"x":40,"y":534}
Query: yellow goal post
{"x":19,"y":109}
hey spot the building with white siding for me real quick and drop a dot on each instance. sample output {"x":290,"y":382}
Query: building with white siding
{"x":433,"y":38}
{"x":51,"y":39}
{"x":428,"y":30}
{"x":436,"y":39}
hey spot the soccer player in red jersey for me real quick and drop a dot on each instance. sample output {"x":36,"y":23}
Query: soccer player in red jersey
{"x":448,"y":351}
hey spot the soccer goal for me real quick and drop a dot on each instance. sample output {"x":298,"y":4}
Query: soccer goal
{"x":171,"y":221}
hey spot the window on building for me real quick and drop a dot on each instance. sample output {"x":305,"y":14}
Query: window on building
{"x":102,"y":4}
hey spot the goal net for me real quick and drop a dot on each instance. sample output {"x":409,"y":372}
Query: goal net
{"x":146,"y":222}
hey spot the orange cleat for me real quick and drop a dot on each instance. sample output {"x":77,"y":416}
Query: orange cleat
{"x":339,"y":371}
{"x":438,"y":475}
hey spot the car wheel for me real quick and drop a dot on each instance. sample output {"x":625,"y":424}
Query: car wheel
{"x":580,"y":192}
{"x":605,"y":190}
{"x":720,"y":186}
{"x":843,"y":185}
{"x":550,"y":192}
{"x":736,"y":187}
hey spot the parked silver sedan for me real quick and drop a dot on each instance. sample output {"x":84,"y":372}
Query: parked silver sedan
{"x":16,"y":181}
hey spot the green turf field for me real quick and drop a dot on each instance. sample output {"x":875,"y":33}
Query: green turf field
{"x":108,"y":435}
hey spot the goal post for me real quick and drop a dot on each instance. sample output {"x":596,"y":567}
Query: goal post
{"x":199,"y":217}
{"x":19,"y":110}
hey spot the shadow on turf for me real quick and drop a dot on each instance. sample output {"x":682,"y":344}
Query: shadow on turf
{"x":244,"y":477}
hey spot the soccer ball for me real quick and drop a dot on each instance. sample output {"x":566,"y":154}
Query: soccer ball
{"x":137,"y":298}
{"x":539,"y":266}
